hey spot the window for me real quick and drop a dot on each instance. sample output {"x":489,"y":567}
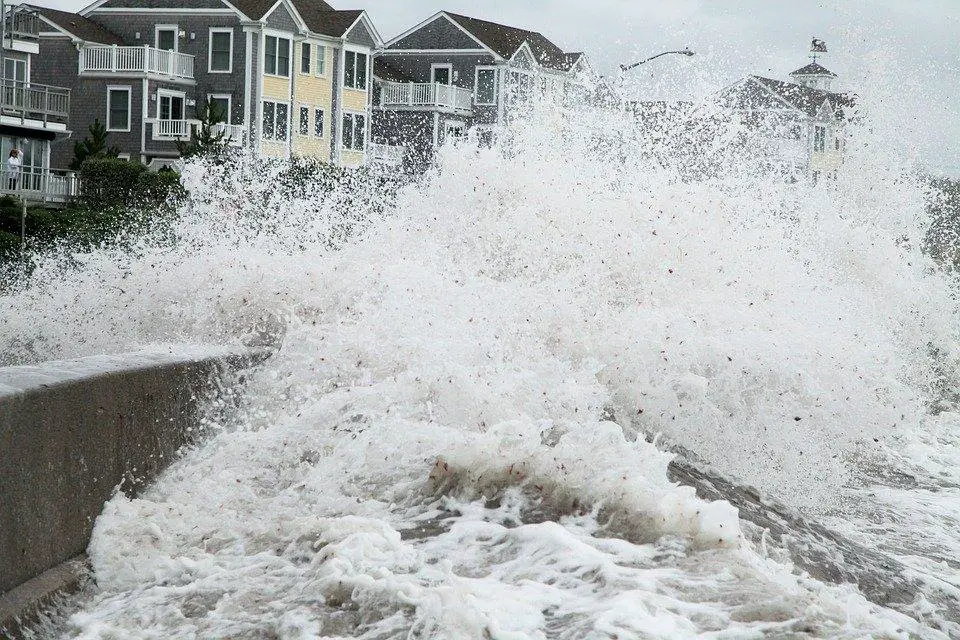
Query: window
{"x":166,"y":37}
{"x":304,"y":121}
{"x":819,"y":138}
{"x":220,"y":108}
{"x":318,"y":122}
{"x":14,"y":69}
{"x":354,"y":131}
{"x":486,"y":86}
{"x":321,"y":59}
{"x":277,"y":56}
{"x":170,"y":106}
{"x":355,"y":70}
{"x":276,"y":117}
{"x":305,"y":58}
{"x":221,"y":51}
{"x":441,"y":73}
{"x":118,"y":109}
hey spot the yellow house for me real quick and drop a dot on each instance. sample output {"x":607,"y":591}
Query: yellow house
{"x":309,"y":69}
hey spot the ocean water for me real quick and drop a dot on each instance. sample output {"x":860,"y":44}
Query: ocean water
{"x":466,"y":428}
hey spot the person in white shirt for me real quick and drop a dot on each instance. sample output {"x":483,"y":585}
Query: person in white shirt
{"x":13,"y":169}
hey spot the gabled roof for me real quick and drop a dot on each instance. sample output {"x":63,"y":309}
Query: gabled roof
{"x":505,"y":41}
{"x":805,"y":99}
{"x":77,"y":26}
{"x":257,"y":9}
{"x":813,"y":69}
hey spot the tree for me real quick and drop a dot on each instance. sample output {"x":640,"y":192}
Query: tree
{"x":204,"y":141}
{"x":93,"y":146}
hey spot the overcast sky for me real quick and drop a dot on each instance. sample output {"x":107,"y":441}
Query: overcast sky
{"x":901,"y":56}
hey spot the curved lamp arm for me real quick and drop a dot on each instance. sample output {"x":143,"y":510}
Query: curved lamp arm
{"x":682,"y":52}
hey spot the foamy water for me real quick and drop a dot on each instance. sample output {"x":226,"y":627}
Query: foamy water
{"x":454,"y":436}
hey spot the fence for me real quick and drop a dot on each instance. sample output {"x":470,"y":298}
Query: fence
{"x":39,"y":185}
{"x":35,"y":101}
{"x":426,"y":94}
{"x":145,"y":59}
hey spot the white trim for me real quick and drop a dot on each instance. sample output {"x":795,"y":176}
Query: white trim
{"x":445,"y":15}
{"x":528,"y":52}
{"x":279,"y":35}
{"x":210,"y":34}
{"x":248,"y":118}
{"x":366,"y":127}
{"x":356,"y":50}
{"x":441,"y":65}
{"x":276,"y":102}
{"x":292,"y":10}
{"x":229,"y":97}
{"x":476,"y":85}
{"x":161,"y":11}
{"x":129,"y":90}
{"x":446,"y":52}
{"x":377,"y":38}
{"x":157,"y":28}
{"x":313,"y":61}
{"x":171,"y":93}
{"x":321,"y":47}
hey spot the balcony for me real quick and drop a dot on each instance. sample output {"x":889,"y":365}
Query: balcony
{"x":34,"y":104}
{"x":39,"y":185}
{"x":21,"y":25}
{"x":426,"y":95}
{"x":234,"y":135}
{"x":145,"y":60}
{"x":170,"y":130}
{"x":386,"y":154}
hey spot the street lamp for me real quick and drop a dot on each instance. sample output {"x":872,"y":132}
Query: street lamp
{"x":683,"y":52}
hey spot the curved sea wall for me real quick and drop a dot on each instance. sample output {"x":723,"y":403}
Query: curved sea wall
{"x":71,"y":432}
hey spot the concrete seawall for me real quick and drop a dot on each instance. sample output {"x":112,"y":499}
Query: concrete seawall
{"x":71,"y":432}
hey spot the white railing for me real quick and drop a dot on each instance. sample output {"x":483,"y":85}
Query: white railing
{"x":234,"y":135}
{"x":386,"y":154}
{"x":39,"y":185}
{"x":425,"y":94}
{"x":172,"y":129}
{"x":36,"y":101}
{"x":145,"y":59}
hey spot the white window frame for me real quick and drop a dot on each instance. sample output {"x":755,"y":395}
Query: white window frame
{"x":300,"y":108}
{"x":210,"y":68}
{"x":129,"y":91}
{"x":323,"y":119}
{"x":320,"y":70}
{"x":441,"y":65}
{"x":366,"y":129}
{"x":290,"y":61}
{"x":229,"y":99}
{"x":343,"y":70}
{"x":476,"y":85}
{"x":170,"y":93}
{"x":167,"y":27}
{"x":274,"y":138}
{"x":309,"y":71}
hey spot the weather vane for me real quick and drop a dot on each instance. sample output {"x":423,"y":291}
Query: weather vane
{"x":817,"y":46}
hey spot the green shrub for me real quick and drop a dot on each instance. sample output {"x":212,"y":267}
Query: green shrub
{"x":109,"y":183}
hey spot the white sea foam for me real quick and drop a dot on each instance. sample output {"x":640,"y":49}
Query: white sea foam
{"x":516,"y":321}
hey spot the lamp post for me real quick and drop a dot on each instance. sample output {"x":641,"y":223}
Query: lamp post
{"x":683,"y":52}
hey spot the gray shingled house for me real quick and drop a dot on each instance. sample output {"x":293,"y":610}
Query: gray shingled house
{"x":805,"y":118}
{"x":284,"y":74}
{"x":34,"y":117}
{"x":452,"y":74}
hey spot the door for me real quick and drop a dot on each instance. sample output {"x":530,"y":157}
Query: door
{"x":167,"y":38}
{"x":441,"y":73}
{"x":171,"y":107}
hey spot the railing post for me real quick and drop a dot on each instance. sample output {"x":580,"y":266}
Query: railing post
{"x":113,"y":58}
{"x":410,"y":94}
{"x":146,"y":58}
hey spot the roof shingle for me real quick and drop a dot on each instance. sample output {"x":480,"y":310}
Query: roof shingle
{"x":505,"y":41}
{"x":78,"y":26}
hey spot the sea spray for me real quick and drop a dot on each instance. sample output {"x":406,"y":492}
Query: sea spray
{"x":551,"y":303}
